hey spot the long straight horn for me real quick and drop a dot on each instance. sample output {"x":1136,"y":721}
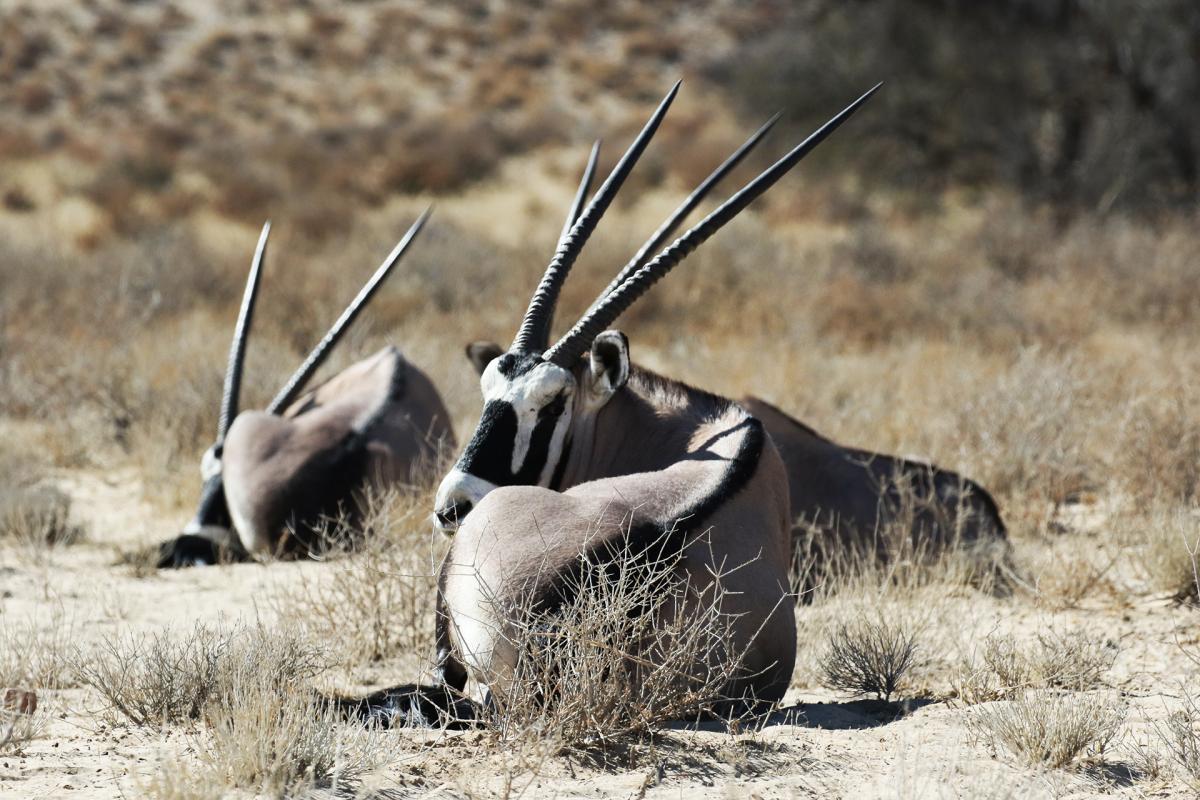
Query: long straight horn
{"x":694,"y":199}
{"x":296,"y":383}
{"x":534,"y":333}
{"x":580,"y":337}
{"x":241,"y":332}
{"x":585,"y":184}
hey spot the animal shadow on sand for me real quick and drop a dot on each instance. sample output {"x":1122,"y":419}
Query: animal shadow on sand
{"x":832,"y":716}
{"x":415,"y":705}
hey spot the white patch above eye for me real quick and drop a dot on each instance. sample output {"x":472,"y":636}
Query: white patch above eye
{"x":527,"y":394}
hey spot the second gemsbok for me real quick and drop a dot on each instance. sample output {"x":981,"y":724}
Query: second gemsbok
{"x":275,"y":479}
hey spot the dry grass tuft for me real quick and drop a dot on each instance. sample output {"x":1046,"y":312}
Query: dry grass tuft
{"x":17,"y":729}
{"x":258,"y":724}
{"x":1049,"y":728}
{"x":1180,"y":734}
{"x":37,"y":517}
{"x":1165,"y":541}
{"x":37,"y":656}
{"x":33,"y":515}
{"x":634,"y":646}
{"x":374,"y":604}
{"x":275,"y":737}
{"x":1074,"y":661}
{"x":869,"y":657}
{"x":176,"y":779}
{"x":166,"y":678}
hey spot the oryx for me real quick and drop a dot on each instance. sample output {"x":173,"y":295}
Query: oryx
{"x":846,"y":502}
{"x":273,"y":478}
{"x":580,"y":452}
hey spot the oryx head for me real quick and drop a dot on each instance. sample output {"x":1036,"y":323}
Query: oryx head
{"x":535,"y":393}
{"x":212,"y":519}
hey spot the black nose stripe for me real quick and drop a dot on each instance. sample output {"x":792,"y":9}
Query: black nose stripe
{"x":489,"y":453}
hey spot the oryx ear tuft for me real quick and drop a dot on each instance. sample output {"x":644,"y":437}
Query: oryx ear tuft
{"x":483,"y":353}
{"x":609,"y":363}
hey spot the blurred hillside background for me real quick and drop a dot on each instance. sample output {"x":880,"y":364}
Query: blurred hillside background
{"x":995,"y":263}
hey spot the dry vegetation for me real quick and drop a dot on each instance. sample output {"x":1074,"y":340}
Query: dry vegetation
{"x":1048,"y":729}
{"x":620,"y":659}
{"x":870,"y":657}
{"x":1040,"y":342}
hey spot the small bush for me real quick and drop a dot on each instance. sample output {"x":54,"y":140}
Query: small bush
{"x":1181,"y":736}
{"x":166,"y":678}
{"x":37,"y":517}
{"x":16,"y":729}
{"x":1165,"y":542}
{"x":36,"y":655}
{"x":376,"y":604}
{"x":621,"y":657}
{"x":259,"y":725}
{"x":1047,"y":728}
{"x":1074,"y":661}
{"x":276,"y":737}
{"x":868,"y":657}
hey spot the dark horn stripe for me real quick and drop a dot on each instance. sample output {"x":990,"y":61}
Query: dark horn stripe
{"x":579,"y":338}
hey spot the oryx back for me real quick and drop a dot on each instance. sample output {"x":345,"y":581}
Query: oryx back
{"x":376,"y":424}
{"x":847,"y":501}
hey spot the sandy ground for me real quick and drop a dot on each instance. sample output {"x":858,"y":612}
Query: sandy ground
{"x":823,"y":745}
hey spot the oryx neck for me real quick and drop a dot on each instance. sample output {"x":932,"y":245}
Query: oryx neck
{"x":647,"y":425}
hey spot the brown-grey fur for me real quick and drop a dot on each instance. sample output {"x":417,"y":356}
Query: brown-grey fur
{"x":378,"y":423}
{"x":850,"y":501}
{"x":648,"y":458}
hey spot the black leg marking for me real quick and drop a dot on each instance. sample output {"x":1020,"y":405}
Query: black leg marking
{"x":190,"y":550}
{"x":409,"y":706}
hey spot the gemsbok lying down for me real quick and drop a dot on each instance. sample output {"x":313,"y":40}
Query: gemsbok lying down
{"x":580,"y":452}
{"x":847,"y":503}
{"x":274,"y":479}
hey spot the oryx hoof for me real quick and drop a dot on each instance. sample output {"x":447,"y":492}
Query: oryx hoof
{"x":188,"y":550}
{"x":413,"y":706}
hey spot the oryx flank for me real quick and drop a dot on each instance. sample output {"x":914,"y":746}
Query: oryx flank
{"x":579,"y":451}
{"x":848,"y":502}
{"x":273,"y":478}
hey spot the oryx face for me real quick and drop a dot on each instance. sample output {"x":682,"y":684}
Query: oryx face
{"x":524,"y":433}
{"x":212,"y":513}
{"x":527,"y":408}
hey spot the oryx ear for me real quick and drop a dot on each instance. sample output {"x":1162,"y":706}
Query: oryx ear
{"x":483,"y":353}
{"x":608,"y":367}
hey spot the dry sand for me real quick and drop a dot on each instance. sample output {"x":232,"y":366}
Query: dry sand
{"x":822,"y":745}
